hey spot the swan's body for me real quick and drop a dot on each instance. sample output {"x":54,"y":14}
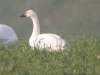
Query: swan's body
{"x":43,"y":41}
{"x":7,"y":36}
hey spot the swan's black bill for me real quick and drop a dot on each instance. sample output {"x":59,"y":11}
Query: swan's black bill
{"x":22,"y":16}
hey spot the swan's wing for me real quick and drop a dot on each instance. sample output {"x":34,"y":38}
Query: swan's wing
{"x":7,"y":34}
{"x":49,"y":41}
{"x":49,"y":38}
{"x":54,"y":35}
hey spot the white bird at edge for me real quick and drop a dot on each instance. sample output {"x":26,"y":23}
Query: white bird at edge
{"x":48,"y":41}
{"x":7,"y":36}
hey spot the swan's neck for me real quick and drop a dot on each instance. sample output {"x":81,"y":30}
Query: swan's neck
{"x":36,"y":27}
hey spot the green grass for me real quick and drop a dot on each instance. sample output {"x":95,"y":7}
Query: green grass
{"x":80,"y":58}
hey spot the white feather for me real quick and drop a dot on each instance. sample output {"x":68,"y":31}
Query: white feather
{"x":43,"y":41}
{"x":7,"y":35}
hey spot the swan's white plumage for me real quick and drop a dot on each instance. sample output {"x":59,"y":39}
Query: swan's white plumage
{"x":7,"y":35}
{"x":43,"y":41}
{"x":48,"y":41}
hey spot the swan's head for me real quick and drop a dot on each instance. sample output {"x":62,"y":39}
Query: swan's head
{"x":29,"y":13}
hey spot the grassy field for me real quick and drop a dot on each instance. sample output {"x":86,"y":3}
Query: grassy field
{"x":82,"y":57}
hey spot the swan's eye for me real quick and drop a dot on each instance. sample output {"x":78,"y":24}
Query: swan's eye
{"x":27,"y":12}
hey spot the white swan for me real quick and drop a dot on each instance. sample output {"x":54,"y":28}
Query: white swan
{"x":47,"y":41}
{"x":7,"y":36}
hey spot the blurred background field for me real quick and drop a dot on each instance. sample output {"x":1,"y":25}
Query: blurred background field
{"x":56,"y":16}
